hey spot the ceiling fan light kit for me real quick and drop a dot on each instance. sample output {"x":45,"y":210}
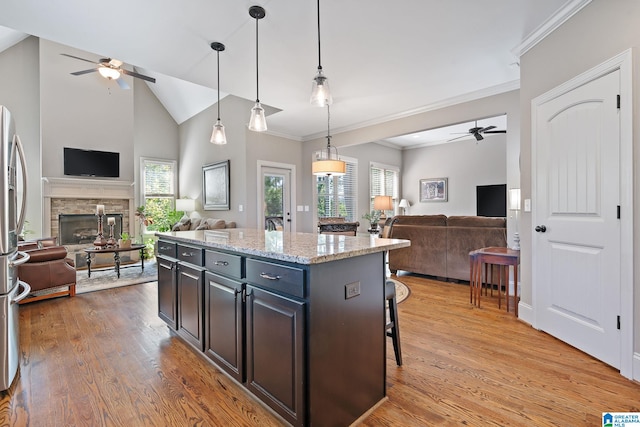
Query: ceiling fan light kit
{"x":257,"y":122}
{"x":218,"y":136}
{"x":109,"y":73}
{"x":320,"y":92}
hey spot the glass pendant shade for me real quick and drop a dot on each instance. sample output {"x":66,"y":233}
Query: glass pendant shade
{"x":109,"y":73}
{"x":218,"y":136}
{"x":257,"y":123}
{"x":320,"y":92}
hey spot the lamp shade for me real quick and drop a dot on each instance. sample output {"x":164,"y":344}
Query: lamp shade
{"x":382,"y":203}
{"x":514,"y":199}
{"x":329,"y":167}
{"x":185,"y":205}
{"x":404,"y":204}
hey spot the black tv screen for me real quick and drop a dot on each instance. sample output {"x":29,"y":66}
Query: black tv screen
{"x":78,"y":162}
{"x":491,"y":200}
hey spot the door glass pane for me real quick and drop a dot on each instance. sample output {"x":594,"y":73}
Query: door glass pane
{"x":273,"y":201}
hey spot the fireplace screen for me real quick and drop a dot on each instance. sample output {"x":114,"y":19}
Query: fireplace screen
{"x":79,"y":229}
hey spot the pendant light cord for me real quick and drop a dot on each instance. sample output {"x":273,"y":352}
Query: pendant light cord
{"x":257,"y":69}
{"x":218,"y":57}
{"x":328,"y":133}
{"x":319,"y":61}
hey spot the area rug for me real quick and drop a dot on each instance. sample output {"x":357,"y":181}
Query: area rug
{"x":402,"y":290}
{"x":107,"y":278}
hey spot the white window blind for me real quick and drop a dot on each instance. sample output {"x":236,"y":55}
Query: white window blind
{"x":383,"y":181}
{"x":337,"y":195}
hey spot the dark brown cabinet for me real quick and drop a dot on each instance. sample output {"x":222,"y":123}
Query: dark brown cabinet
{"x":275,"y":352}
{"x":190,"y":304}
{"x":168,"y":290}
{"x":224,"y":312}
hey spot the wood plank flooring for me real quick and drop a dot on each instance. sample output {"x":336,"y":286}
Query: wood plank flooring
{"x":106,"y":359}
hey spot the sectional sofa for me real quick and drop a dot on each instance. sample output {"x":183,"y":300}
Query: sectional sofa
{"x":440,"y":245}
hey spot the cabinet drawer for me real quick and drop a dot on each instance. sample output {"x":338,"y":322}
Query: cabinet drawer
{"x":167,"y":248}
{"x":225,"y":264}
{"x":191,"y":254}
{"x":281,"y":278}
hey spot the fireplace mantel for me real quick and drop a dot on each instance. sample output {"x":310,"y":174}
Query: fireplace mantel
{"x":79,"y":188}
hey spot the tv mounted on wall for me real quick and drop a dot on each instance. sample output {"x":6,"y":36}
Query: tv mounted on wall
{"x":491,"y":200}
{"x":79,"y":162}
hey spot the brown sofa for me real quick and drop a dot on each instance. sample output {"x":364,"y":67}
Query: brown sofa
{"x":48,"y":267}
{"x":440,"y":245}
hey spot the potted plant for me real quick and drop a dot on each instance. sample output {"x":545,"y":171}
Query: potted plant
{"x":124,"y":241}
{"x":373,"y":217}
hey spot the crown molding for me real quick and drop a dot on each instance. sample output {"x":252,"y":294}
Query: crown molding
{"x":564,"y":13}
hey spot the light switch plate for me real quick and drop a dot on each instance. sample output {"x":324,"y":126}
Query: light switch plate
{"x":527,"y":205}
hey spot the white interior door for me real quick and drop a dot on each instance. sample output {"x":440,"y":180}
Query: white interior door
{"x":276,"y":198}
{"x":576,"y":243}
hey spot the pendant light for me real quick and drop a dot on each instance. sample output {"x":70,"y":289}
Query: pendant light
{"x":320,"y":93}
{"x":257,"y":122}
{"x":329,"y":166}
{"x":218,"y":136}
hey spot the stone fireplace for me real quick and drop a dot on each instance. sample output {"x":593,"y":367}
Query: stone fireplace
{"x":78,"y":196}
{"x":79,"y":229}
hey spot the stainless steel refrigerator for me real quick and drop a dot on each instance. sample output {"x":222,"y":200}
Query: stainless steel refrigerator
{"x":12,"y":290}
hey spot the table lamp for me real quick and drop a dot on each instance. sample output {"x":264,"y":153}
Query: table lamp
{"x":382,"y":203}
{"x":404,"y":204}
{"x":186,"y":205}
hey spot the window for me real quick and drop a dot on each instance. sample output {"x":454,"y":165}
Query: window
{"x":336,"y":195}
{"x":159,"y":192}
{"x":383,"y":181}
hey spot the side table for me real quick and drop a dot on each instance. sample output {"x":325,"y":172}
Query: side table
{"x":502,"y":257}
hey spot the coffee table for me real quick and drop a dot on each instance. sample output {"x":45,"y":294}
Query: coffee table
{"x":115,"y":250}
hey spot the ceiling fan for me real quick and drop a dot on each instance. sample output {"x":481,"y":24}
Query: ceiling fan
{"x":110,"y":69}
{"x":478,"y":131}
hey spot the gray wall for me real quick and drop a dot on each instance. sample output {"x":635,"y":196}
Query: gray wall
{"x":597,"y":33}
{"x":20,"y":93}
{"x":465,"y":164}
{"x":54,"y":109}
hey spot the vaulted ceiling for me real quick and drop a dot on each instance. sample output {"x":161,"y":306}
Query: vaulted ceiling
{"x":383,"y":59}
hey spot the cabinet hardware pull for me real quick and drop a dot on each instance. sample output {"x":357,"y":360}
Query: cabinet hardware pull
{"x":187,"y":254}
{"x":269,"y":277}
{"x":224,"y":263}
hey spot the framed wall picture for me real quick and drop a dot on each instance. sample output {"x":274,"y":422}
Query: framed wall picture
{"x":216,"y":186}
{"x":433,"y":190}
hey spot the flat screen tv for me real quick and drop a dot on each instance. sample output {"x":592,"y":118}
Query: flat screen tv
{"x":491,"y":200}
{"x":78,"y":162}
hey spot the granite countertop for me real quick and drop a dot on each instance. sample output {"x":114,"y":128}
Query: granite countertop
{"x":301,"y":248}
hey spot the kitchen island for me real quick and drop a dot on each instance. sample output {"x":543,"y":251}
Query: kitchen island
{"x":296,"y":318}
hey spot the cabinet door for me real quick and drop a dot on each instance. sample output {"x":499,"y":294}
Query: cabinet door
{"x":167,"y":291}
{"x":190,"y":303}
{"x":224,"y":320}
{"x":275,"y":352}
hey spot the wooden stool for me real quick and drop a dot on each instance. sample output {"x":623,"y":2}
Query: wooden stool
{"x":392,"y":328}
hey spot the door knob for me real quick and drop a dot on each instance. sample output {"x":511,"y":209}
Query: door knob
{"x":540,"y":228}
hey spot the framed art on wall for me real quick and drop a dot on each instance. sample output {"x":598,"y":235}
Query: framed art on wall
{"x":216,"y":186}
{"x":433,"y":190}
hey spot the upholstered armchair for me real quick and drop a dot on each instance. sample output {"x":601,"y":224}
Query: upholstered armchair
{"x":48,"y":268}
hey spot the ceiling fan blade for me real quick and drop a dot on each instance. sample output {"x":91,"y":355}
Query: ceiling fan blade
{"x":478,"y":136}
{"x":137,"y":75}
{"x":486,"y":129}
{"x":459,"y":137}
{"x":77,"y":57}
{"x":123,"y":85}
{"x":79,"y":73}
{"x":496,"y":131}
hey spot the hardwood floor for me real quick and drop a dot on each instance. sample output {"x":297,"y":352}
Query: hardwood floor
{"x":106,"y":359}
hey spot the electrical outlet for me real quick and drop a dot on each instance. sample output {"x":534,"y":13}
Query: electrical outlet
{"x":351,"y":290}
